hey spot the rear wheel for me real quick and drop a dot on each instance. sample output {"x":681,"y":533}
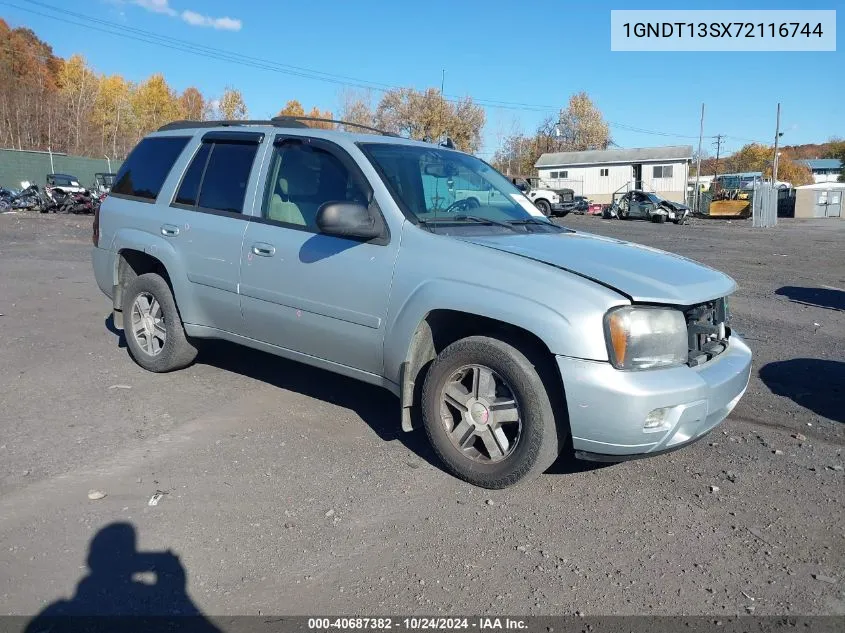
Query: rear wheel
{"x":544,"y":207}
{"x":487,"y":413}
{"x":152,"y":326}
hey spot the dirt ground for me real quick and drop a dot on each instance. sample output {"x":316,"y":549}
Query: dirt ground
{"x":288,"y":490}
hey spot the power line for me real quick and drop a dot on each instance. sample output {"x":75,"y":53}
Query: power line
{"x":149,"y":37}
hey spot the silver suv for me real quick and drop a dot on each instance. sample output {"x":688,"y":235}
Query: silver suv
{"x":503,"y":334}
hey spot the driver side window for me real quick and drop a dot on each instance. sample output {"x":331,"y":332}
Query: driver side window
{"x":301,"y":179}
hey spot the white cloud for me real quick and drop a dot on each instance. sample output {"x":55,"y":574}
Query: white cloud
{"x":225,"y":23}
{"x":191,"y":17}
{"x":156,"y":6}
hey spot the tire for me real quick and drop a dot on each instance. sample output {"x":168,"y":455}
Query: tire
{"x":529,"y":453}
{"x":544,"y":206}
{"x":660,"y":219}
{"x":177,"y":351}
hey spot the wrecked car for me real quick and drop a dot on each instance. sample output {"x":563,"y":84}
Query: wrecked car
{"x":645,"y":205}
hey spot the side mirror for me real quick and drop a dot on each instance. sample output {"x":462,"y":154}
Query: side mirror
{"x":347,"y":219}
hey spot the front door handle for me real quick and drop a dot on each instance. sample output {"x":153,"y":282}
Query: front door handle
{"x":169,"y":230}
{"x":263,"y":249}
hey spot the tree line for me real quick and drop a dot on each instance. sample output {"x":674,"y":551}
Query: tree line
{"x":47,"y":102}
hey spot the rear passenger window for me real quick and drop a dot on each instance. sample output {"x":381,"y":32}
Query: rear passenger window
{"x":190,"y":186}
{"x":145,"y":170}
{"x":217,"y":177}
{"x":223,"y":187}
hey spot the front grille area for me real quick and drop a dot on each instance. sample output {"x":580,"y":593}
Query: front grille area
{"x":707,"y":331}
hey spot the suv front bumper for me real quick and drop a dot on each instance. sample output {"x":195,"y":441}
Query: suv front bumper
{"x":608,"y":408}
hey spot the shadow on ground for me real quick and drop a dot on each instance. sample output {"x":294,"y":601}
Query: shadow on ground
{"x":816,"y":384}
{"x":376,"y":406}
{"x":829,"y":298}
{"x":125,"y":590}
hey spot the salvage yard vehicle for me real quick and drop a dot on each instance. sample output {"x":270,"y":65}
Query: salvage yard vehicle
{"x":102,"y":183}
{"x":645,"y":205}
{"x":550,"y":202}
{"x":503,"y":333}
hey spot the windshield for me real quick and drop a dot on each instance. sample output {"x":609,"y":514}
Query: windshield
{"x":67,"y":181}
{"x":439,"y":185}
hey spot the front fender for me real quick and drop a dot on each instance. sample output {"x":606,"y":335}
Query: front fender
{"x":453,"y":294}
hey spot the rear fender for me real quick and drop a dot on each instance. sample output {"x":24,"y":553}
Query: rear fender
{"x":162,"y":250}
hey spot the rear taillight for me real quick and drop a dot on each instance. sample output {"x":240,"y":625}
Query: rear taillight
{"x":95,"y":230}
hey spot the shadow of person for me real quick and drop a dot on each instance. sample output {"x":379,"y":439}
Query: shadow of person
{"x":126,"y":590}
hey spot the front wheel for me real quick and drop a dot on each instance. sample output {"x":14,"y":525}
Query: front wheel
{"x":152,"y":326}
{"x":544,"y":207}
{"x":487,"y":413}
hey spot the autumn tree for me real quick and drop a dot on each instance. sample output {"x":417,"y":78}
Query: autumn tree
{"x":192,"y":105}
{"x":232,"y":106}
{"x":581,"y":126}
{"x":751,"y":157}
{"x":78,"y":86}
{"x":112,"y":114}
{"x":427,"y":115}
{"x":153,"y":105}
{"x":292,"y":108}
{"x":790,"y":171}
{"x":357,"y":107}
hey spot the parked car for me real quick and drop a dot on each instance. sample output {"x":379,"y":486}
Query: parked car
{"x":64,"y":183}
{"x":581,"y":205}
{"x":644,"y":205}
{"x":507,"y":333}
{"x":550,"y":202}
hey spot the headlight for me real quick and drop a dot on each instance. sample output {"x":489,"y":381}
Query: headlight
{"x":642,"y":337}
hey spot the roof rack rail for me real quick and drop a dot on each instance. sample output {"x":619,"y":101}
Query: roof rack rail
{"x":284,"y":121}
{"x":276,"y":121}
{"x":185,"y":125}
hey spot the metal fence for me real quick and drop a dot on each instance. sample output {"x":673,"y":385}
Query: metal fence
{"x":17,"y":166}
{"x":764,"y":205}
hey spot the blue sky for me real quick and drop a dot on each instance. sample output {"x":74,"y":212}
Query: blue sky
{"x":528,"y":52}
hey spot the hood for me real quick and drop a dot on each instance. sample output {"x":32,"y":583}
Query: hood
{"x":644,"y":274}
{"x":677,"y":206}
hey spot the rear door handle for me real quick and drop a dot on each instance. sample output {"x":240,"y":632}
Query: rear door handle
{"x":169,"y":230}
{"x":263,"y":249}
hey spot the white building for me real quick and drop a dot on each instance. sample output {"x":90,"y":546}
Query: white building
{"x":824,"y":169}
{"x":598,"y":174}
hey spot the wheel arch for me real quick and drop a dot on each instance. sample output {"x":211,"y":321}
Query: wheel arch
{"x":138,"y":255}
{"x":441,"y":327}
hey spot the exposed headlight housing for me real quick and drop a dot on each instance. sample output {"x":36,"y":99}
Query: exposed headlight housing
{"x":645,"y":337}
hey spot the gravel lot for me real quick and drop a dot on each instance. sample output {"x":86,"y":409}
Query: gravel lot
{"x":291,"y":490}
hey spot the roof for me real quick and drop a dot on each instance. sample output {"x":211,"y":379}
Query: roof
{"x":742,"y":174}
{"x":634,"y":155}
{"x":178,"y":128}
{"x":824,"y":185}
{"x":822,"y":163}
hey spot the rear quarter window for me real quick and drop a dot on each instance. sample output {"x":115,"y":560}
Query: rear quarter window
{"x":145,"y":170}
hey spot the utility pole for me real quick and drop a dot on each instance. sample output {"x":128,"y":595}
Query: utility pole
{"x":698,"y":161}
{"x":718,"y":144}
{"x":777,"y":138}
{"x":443,"y":104}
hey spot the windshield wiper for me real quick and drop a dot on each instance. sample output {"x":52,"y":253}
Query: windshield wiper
{"x":463,"y":217}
